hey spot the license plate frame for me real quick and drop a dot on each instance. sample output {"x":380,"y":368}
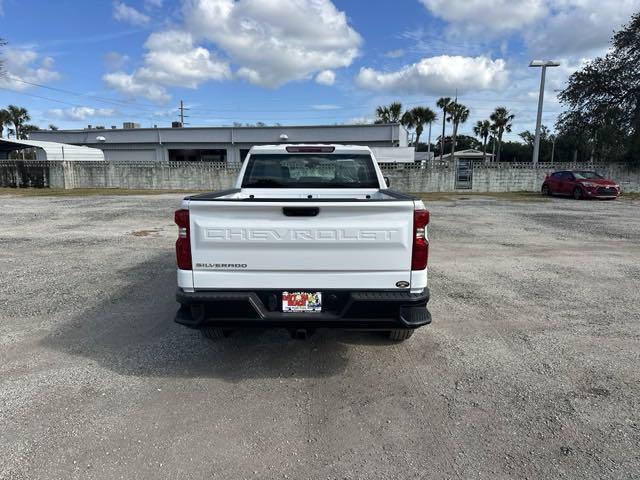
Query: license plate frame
{"x":301,"y":302}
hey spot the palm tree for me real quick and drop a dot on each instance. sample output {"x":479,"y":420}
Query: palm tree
{"x":18,"y":116}
{"x":482,"y":130}
{"x":458,"y":114}
{"x":443,"y":103}
{"x":26,"y":129}
{"x":492,"y":138}
{"x":382,"y":114}
{"x":4,"y":120}
{"x":501,"y":119}
{"x":389,"y":114}
{"x":408,"y":121}
{"x":395,"y":112}
{"x":421,"y":117}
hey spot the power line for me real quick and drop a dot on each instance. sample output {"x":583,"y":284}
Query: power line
{"x":62,"y":102}
{"x":85,"y":95}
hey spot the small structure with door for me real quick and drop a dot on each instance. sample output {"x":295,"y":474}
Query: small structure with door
{"x":463,"y":161}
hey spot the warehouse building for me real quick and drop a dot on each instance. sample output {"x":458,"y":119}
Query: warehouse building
{"x":222,"y":144}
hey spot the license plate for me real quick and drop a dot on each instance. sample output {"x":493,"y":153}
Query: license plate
{"x":301,"y":301}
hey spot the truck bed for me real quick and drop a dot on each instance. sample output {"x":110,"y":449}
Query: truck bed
{"x":262,"y":194}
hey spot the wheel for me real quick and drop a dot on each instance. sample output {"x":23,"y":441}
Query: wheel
{"x":546,"y":191}
{"x":400,"y":334}
{"x":577,"y":193}
{"x":214,"y":333}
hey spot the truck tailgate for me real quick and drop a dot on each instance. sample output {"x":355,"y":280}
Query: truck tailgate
{"x":347,"y":244}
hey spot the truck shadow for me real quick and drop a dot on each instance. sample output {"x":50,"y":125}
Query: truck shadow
{"x":132,"y":332}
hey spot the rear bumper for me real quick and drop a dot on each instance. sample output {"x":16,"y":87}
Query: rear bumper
{"x":369,"y":310}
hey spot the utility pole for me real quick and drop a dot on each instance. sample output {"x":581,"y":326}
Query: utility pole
{"x":182,"y":115}
{"x":544,"y":64}
{"x":429,"y":144}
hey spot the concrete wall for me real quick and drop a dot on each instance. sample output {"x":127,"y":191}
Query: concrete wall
{"x":505,"y":177}
{"x":209,"y":176}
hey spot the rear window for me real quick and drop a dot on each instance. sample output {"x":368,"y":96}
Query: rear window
{"x":586,"y":175}
{"x":310,"y":170}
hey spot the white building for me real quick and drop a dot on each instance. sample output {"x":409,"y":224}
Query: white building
{"x":223,"y":144}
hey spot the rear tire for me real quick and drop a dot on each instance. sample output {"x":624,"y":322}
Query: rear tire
{"x":546,"y":191}
{"x":400,"y":334}
{"x":214,"y":333}
{"x":577,"y":193}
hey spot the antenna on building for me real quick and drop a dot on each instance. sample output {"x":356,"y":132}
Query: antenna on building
{"x":182,"y":115}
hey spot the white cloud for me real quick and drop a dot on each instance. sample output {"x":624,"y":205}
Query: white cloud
{"x":494,"y":15}
{"x":438,"y":75}
{"x":326,"y":106}
{"x":326,"y":77}
{"x":397,"y":53}
{"x":125,"y":13}
{"x":579,"y":27}
{"x":548,"y":27}
{"x":115,"y":60}
{"x":27,"y":65}
{"x":81,"y":113}
{"x":278,"y":41}
{"x":129,"y":85}
{"x":172,"y":59}
{"x":359,"y":121}
{"x":149,"y":4}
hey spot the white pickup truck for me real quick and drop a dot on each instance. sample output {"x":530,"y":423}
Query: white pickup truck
{"x":310,"y":237}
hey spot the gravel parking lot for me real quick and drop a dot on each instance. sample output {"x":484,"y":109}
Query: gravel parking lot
{"x":531,"y":368}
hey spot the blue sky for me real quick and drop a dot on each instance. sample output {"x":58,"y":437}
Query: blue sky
{"x":291,"y":61}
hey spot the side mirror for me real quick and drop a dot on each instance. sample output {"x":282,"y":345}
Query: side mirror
{"x":387,"y":181}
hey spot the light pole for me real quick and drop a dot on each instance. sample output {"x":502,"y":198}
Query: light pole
{"x":543,"y":64}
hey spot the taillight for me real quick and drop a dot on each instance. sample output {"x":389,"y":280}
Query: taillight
{"x":420,"y":252}
{"x":183,"y":244}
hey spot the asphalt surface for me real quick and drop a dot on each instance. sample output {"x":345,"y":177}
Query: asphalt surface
{"x":531,"y":368}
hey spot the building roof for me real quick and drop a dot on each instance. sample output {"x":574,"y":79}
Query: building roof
{"x":378,"y":133}
{"x":55,"y":151}
{"x":470,"y":152}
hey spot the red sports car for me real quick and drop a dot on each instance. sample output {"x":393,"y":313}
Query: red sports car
{"x":580,"y":184}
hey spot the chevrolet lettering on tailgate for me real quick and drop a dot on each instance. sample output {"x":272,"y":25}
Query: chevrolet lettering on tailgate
{"x":291,"y":235}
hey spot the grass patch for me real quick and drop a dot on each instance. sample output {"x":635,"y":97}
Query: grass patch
{"x":511,"y":196}
{"x":60,"y":192}
{"x":630,"y":196}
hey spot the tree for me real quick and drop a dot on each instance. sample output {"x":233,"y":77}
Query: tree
{"x":603,"y":100}
{"x":458,"y":114}
{"x":529,"y":139}
{"x":501,"y":118}
{"x":18,"y":116}
{"x":482,"y":130}
{"x":408,"y":121}
{"x":5,"y":121}
{"x":389,"y":114}
{"x":421,"y":116}
{"x":26,"y":129}
{"x":52,"y":127}
{"x":443,"y":104}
